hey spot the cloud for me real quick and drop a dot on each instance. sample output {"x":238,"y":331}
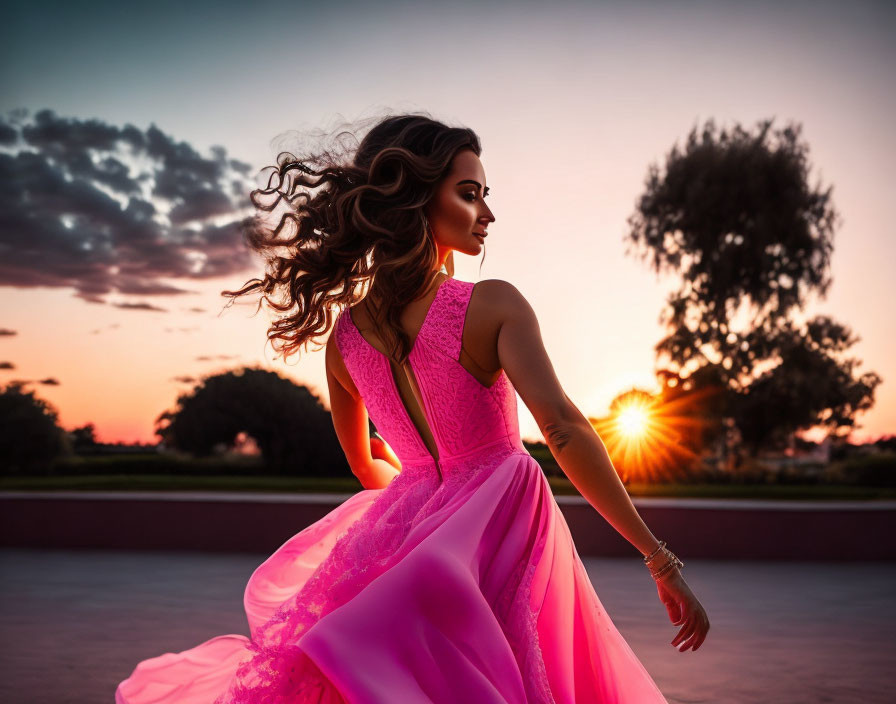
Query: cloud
{"x":104,"y":209}
{"x":7,"y":365}
{"x":5,"y":331}
{"x":139,"y":306}
{"x":49,"y":381}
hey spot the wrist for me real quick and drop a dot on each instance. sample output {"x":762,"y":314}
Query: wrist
{"x":662,"y":562}
{"x":652,"y":549}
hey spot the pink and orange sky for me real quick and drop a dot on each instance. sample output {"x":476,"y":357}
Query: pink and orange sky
{"x":572,"y":102}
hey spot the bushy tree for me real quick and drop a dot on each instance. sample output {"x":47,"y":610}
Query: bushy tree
{"x":289,"y":424}
{"x":734,"y":215}
{"x":31,"y":441}
{"x":84,"y":438}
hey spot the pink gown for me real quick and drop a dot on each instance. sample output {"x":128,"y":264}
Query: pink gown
{"x":458,"y":582}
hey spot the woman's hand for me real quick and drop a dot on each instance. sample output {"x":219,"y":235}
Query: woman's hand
{"x":384,"y":465}
{"x":380,"y":450}
{"x":684,"y":610}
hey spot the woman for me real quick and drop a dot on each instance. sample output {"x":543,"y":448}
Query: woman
{"x":452,"y":576}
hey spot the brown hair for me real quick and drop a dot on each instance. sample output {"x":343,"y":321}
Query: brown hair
{"x":364,"y":224}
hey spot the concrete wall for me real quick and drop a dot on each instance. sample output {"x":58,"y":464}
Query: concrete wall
{"x":697,"y":528}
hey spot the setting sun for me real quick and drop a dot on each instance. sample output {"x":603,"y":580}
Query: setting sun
{"x":648,"y":436}
{"x":632,"y":421}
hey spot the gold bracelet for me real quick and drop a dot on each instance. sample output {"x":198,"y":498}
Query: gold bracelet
{"x":667,"y":568}
{"x":672,"y":562}
{"x":648,"y":558}
{"x":660,"y":572}
{"x":665,"y":553}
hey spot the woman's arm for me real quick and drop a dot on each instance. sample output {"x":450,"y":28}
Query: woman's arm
{"x":581,"y":453}
{"x":572,"y":440}
{"x":370,"y":459}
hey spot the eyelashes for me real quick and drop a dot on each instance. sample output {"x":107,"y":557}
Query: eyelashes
{"x":473,"y":197}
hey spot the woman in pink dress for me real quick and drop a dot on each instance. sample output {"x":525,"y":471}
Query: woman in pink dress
{"x":451,"y":577}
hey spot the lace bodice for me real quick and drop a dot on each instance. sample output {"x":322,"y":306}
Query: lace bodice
{"x":409,"y":532}
{"x":464,"y":416}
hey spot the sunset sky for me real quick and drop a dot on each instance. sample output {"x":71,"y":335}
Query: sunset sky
{"x":572,"y":101}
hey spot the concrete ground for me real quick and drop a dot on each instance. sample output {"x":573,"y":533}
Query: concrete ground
{"x":76,"y":622}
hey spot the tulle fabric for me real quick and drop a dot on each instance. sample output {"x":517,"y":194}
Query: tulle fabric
{"x":484,"y":600}
{"x":458,"y":582}
{"x":203,"y":673}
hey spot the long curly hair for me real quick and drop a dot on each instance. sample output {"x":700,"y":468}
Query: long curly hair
{"x":348,"y":222}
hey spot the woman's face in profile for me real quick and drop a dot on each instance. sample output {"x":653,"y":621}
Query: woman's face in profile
{"x":457,"y":211}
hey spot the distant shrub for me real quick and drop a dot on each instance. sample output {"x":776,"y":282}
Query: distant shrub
{"x":872,"y":470}
{"x":31,"y":441}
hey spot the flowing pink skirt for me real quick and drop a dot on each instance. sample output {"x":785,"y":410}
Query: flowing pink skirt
{"x":469,"y":590}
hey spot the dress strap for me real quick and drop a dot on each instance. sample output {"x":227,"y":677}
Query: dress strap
{"x":447,"y":318}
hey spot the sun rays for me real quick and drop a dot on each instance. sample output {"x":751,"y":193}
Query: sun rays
{"x":648,"y":437}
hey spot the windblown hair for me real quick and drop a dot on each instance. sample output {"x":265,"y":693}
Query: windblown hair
{"x":364,"y":225}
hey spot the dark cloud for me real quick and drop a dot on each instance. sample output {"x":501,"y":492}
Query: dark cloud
{"x":140,"y":306}
{"x":209,"y":357}
{"x":8,"y":135}
{"x":103,"y":208}
{"x":4,"y":332}
{"x":7,"y":365}
{"x":184,"y":379}
{"x":19,"y":383}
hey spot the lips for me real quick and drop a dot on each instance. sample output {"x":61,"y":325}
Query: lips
{"x":481,"y":234}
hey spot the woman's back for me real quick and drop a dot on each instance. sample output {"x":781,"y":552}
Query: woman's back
{"x":434,"y":410}
{"x":479,"y":347}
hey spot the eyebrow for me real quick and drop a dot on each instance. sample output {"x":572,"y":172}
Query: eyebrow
{"x":476,"y":183}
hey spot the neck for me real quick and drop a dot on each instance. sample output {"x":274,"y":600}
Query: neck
{"x":445,"y":258}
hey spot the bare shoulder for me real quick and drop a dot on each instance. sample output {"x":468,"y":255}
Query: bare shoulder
{"x":502,"y":300}
{"x":522,"y":354}
{"x":498,"y":287}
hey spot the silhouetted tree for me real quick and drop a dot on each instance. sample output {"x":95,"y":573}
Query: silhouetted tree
{"x":31,"y":441}
{"x":808,"y":387}
{"x":289,"y":424}
{"x":734,"y":215}
{"x":886,"y":442}
{"x":83,"y":438}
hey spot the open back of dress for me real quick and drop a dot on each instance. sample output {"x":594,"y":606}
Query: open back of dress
{"x":458,"y":582}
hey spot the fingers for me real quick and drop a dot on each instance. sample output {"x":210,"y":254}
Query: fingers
{"x":684,"y":613}
{"x":704,"y":629}
{"x":694,"y":633}
{"x":694,"y":640}
{"x":686,"y":630}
